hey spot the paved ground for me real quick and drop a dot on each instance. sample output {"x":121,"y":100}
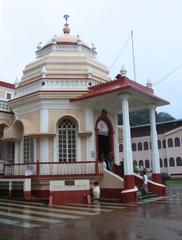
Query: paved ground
{"x":148,"y":220}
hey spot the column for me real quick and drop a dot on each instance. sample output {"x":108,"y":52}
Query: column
{"x":90,"y":139}
{"x":154,"y":146}
{"x":129,"y":194}
{"x":44,"y":147}
{"x":116,"y":144}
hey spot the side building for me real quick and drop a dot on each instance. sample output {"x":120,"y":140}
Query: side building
{"x":169,"y":146}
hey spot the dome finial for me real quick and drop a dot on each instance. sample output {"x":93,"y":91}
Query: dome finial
{"x":66,"y":28}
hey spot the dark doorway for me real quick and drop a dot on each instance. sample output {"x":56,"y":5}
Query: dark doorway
{"x":103,"y":145}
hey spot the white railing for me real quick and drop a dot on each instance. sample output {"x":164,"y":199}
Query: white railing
{"x":53,"y":168}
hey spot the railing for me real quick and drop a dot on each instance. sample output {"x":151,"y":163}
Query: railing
{"x":53,"y":169}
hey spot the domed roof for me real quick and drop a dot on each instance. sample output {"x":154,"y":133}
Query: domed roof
{"x":66,"y":57}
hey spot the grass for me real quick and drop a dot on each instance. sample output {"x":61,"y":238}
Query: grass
{"x":175,"y":181}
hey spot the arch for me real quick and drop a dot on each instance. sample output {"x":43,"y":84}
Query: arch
{"x":165,"y":162}
{"x":178,"y":162}
{"x":71,"y":116}
{"x":171,"y":162}
{"x":139,"y":146}
{"x":177,"y":142}
{"x":161,"y":163}
{"x":146,"y":146}
{"x":15,"y":132}
{"x":170,"y":142}
{"x":108,"y":139}
{"x":121,"y":147}
{"x":164,"y":143}
{"x":133,"y":147}
{"x":67,"y":128}
{"x":159,"y":144}
{"x":141,"y":163}
{"x":147,"y":163}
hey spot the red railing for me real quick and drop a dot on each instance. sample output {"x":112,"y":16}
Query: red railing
{"x":53,"y":168}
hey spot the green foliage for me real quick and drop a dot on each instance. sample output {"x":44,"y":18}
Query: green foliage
{"x":5,"y":238}
{"x":142,"y":117}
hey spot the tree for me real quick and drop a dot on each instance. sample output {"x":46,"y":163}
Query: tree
{"x":141,"y":117}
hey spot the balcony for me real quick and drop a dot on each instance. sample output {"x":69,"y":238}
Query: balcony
{"x":52,"y":169}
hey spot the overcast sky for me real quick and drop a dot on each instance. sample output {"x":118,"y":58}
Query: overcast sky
{"x":157,"y":38}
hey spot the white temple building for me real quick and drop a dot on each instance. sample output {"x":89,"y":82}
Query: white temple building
{"x":56,"y":123}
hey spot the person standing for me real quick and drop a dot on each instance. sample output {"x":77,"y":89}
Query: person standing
{"x":110,"y":161}
{"x":145,"y":181}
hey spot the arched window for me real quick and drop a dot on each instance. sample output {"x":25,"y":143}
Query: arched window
{"x":147,"y":163}
{"x":171,"y":162}
{"x":67,"y":132}
{"x":159,"y":144}
{"x":134,"y":146}
{"x":161,"y":163}
{"x":178,"y":162}
{"x":170,"y":142}
{"x":165,"y":162}
{"x":139,"y":146}
{"x":177,"y":142}
{"x":141,"y":163}
{"x":164,"y":143}
{"x":146,"y":146}
{"x":120,"y":147}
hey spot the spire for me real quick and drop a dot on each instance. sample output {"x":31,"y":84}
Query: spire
{"x":66,"y":28}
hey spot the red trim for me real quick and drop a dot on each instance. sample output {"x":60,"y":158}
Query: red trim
{"x":129,"y":197}
{"x":12,"y":113}
{"x":7,"y":85}
{"x":27,"y":195}
{"x":159,"y":190}
{"x":111,"y":132}
{"x":120,"y":83}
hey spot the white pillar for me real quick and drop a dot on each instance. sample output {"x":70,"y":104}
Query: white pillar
{"x":116,"y":143}
{"x":128,"y":156}
{"x":17,"y":152}
{"x":43,"y":120}
{"x":90,"y":139}
{"x":44,"y":149}
{"x":154,"y":141}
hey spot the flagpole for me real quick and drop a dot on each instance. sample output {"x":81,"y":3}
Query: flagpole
{"x":133,"y":56}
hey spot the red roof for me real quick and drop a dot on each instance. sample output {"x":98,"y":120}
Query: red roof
{"x":7,"y":85}
{"x":120,"y":83}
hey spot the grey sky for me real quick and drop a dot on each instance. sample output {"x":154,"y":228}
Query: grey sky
{"x":155,"y":23}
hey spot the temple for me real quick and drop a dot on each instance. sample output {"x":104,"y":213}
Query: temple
{"x":58,"y":122}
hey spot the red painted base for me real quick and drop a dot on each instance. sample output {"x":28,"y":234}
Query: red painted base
{"x":111,"y":193}
{"x":155,"y":188}
{"x":129,"y":197}
{"x":156,"y":177}
{"x":129,"y":183}
{"x":27,"y":195}
{"x":60,"y":197}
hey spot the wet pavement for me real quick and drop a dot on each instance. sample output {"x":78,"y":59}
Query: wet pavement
{"x":149,"y":220}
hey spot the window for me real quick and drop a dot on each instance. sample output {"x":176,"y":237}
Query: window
{"x":177,"y":142}
{"x":165,"y":162}
{"x":141,"y":163}
{"x":146,"y":146}
{"x":147,"y":163}
{"x":170,"y":142}
{"x":161,"y":163}
{"x":134,"y":146}
{"x":67,"y":131}
{"x":159,"y":144}
{"x":139,"y":146}
{"x":28,"y":149}
{"x":8,"y":95}
{"x":171,"y":162}
{"x":164,"y":143}
{"x":120,"y":147}
{"x":178,"y":162}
